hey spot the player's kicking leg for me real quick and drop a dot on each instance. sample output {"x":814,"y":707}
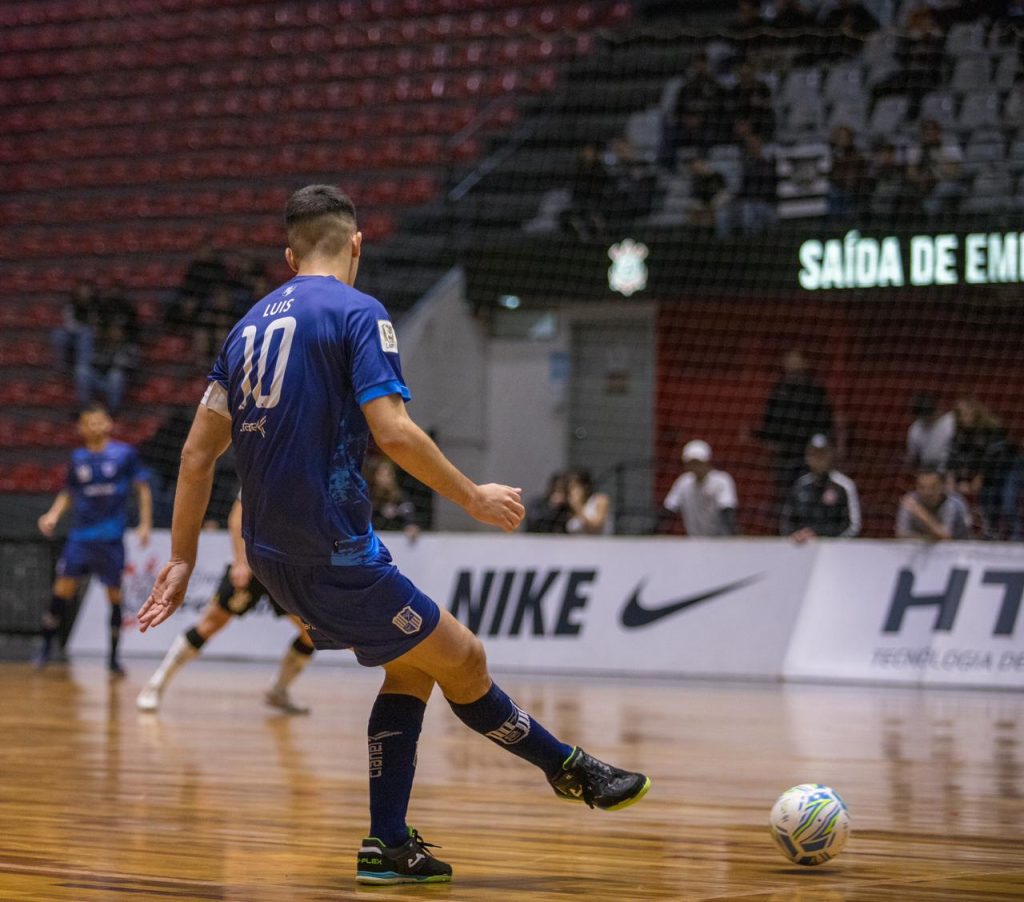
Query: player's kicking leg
{"x":453,"y":657}
{"x":295,"y":660}
{"x":185,"y":647}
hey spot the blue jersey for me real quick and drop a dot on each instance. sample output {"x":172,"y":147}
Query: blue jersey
{"x":100,"y":484}
{"x":296,"y":369}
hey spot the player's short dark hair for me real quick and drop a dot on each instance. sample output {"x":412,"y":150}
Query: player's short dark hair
{"x":931,"y":471}
{"x":93,"y":407}
{"x":320,"y":219}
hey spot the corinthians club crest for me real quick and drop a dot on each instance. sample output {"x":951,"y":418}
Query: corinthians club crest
{"x":628,"y":272}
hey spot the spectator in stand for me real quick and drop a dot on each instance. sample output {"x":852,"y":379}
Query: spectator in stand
{"x":891,"y":197}
{"x":1013,"y":107}
{"x":797,"y":408}
{"x":590,"y":511}
{"x":921,"y":57}
{"x":985,"y":464}
{"x":931,"y":512}
{"x":934,"y":170}
{"x":704,"y":497}
{"x":850,"y":17}
{"x":930,"y":436}
{"x":710,"y":196}
{"x":392,"y":510}
{"x":108,"y":349}
{"x":205,"y":273}
{"x":754,"y":207}
{"x":633,"y":183}
{"x":822,"y":502}
{"x":748,"y":21}
{"x":789,"y":15}
{"x":751,"y":100}
{"x":74,"y":336}
{"x":188,"y":315}
{"x":590,"y":187}
{"x":214,"y":320}
{"x":698,"y":118}
{"x":550,"y":512}
{"x":849,"y":179}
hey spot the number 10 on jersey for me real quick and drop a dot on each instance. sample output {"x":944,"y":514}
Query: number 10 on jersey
{"x":261,"y":397}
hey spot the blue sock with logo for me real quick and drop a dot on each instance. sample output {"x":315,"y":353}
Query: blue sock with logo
{"x":501,"y":720}
{"x":391,"y":735}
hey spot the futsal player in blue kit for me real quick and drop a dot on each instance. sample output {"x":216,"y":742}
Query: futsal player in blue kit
{"x":100,"y":479}
{"x":303,"y":380}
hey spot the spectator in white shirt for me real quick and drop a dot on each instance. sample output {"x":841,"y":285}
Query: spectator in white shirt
{"x":703,"y":496}
{"x":930,"y":436}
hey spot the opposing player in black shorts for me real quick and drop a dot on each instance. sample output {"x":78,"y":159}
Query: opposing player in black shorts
{"x":239,"y":592}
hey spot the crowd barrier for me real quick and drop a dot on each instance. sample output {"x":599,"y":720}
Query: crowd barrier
{"x":857,"y":610}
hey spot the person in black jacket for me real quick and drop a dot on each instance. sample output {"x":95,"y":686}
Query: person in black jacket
{"x":822,"y":502}
{"x":985,"y":465}
{"x":797,"y":408}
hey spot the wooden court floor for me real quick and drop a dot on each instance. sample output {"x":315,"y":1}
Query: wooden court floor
{"x":216,"y":798}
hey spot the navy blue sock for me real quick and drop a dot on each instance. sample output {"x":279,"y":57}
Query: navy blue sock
{"x":501,"y":720}
{"x":115,"y":631}
{"x":392,"y":734}
{"x":52,"y":621}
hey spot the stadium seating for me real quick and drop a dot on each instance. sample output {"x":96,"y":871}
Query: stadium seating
{"x":135,"y":129}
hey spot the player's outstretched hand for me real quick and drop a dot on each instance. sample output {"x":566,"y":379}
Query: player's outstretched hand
{"x":497,"y":505}
{"x":167,"y":595}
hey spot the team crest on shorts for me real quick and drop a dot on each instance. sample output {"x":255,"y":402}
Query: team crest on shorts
{"x":408,"y":621}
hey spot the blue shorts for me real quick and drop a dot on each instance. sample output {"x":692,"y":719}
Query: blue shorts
{"x":371,"y":608}
{"x":102,"y":559}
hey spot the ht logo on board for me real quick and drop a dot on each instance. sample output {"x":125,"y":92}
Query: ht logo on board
{"x":514,"y":602}
{"x":947,"y":601}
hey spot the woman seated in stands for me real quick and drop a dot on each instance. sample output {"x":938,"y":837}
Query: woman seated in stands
{"x":591,"y":511}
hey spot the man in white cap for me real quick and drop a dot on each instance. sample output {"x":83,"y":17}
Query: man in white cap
{"x":703,"y":496}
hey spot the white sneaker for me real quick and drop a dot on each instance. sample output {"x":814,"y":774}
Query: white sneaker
{"x":279,"y":698}
{"x":148,"y":699}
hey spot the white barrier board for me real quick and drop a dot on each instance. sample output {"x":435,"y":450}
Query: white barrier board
{"x":911,"y":613}
{"x":843,"y":610}
{"x":625,"y":605}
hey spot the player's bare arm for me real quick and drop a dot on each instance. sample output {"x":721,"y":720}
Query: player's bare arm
{"x":145,"y":496}
{"x":415,"y":452}
{"x":240,"y":572}
{"x":48,"y":522}
{"x":207,"y":440}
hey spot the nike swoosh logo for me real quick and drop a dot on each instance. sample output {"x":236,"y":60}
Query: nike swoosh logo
{"x":634,"y":614}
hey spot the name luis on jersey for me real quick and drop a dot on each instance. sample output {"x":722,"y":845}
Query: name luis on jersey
{"x":277,"y":307}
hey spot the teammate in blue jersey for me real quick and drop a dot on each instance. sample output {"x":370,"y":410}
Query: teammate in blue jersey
{"x":301,"y":383}
{"x":100,"y":478}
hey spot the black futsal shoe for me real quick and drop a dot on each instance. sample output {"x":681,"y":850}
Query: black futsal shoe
{"x":411,"y":862}
{"x":583,"y":778}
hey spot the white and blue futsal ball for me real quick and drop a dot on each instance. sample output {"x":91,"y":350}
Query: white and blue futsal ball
{"x":810,"y":823}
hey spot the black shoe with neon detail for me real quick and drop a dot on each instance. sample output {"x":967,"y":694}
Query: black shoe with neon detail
{"x":585,"y":779}
{"x":411,"y":862}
